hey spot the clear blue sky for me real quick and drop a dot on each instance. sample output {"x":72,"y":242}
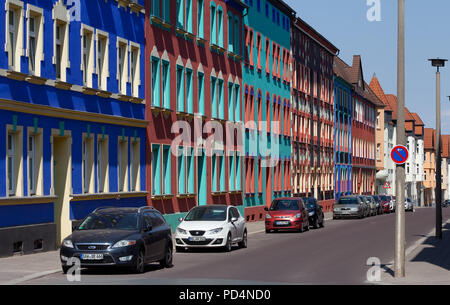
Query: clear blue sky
{"x":344,"y":23}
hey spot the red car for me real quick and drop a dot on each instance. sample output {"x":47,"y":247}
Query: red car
{"x":287,"y":214}
{"x":385,"y":204}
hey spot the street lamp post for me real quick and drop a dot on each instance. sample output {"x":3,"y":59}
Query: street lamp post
{"x":438,"y":63}
{"x":399,"y":257}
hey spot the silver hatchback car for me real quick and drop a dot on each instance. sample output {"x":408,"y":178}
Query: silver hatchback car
{"x":349,"y":206}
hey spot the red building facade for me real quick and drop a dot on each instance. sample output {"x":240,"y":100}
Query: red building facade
{"x":312,"y":113}
{"x":194,"y":79}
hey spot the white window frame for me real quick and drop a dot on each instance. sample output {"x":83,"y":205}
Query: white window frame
{"x":37,"y":14}
{"x":122,"y":169}
{"x":102,"y":63}
{"x":103,"y":162}
{"x":15,"y":49}
{"x":61,"y":19}
{"x":87,"y":34}
{"x":122,"y":65}
{"x":135,"y":169}
{"x":87,"y":168}
{"x":16,"y":155}
{"x":135,"y":70}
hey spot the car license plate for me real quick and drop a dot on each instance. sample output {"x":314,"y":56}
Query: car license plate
{"x":197,"y":238}
{"x":91,"y":257}
{"x":282,"y":223}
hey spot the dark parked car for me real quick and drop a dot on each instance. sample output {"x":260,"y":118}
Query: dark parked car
{"x":123,"y":237}
{"x":366,"y":205}
{"x":446,"y":204}
{"x":378,"y":204}
{"x":316,"y":215}
{"x":350,"y":206}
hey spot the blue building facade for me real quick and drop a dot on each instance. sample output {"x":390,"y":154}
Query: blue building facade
{"x":343,"y":137}
{"x":72,"y":121}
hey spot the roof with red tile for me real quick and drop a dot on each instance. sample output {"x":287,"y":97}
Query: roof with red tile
{"x":379,"y":92}
{"x":417,"y":118}
{"x":445,"y":146}
{"x":429,"y":138}
{"x":353,"y":74}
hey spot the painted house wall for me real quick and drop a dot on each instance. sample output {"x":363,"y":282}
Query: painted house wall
{"x":343,"y":138}
{"x":205,"y":55}
{"x":266,"y":78}
{"x":61,"y":118}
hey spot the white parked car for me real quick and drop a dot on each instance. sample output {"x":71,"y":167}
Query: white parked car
{"x":211,"y":226}
{"x":409,"y":205}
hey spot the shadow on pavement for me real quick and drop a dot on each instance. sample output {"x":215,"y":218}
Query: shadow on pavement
{"x":117,"y":270}
{"x":438,"y":252}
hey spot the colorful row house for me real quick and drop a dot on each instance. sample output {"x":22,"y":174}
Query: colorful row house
{"x":266,"y":105}
{"x":313,"y":120}
{"x":194,"y":94}
{"x":364,"y":109}
{"x":72,"y":116}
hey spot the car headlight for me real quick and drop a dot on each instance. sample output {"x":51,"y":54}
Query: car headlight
{"x":214,"y":231}
{"x":336,"y":209}
{"x":181,"y":231}
{"x":268,"y":216}
{"x":124,"y":243}
{"x":311,"y":213}
{"x":67,"y":243}
{"x":299,"y":215}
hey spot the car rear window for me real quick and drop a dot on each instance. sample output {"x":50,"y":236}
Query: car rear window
{"x":348,"y":201}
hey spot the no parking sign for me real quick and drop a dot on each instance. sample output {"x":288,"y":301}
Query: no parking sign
{"x":399,"y":154}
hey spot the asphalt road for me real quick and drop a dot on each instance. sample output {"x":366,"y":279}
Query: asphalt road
{"x":337,"y":254}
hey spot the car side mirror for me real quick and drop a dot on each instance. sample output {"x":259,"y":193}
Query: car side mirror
{"x":148,"y":227}
{"x":74,"y":227}
{"x":234,"y":219}
{"x":180,"y":219}
{"x":266,"y":209}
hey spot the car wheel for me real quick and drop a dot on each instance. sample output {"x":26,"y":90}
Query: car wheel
{"x":167,"y":261}
{"x":316,"y":222}
{"x":65,"y":269}
{"x":228,"y":245}
{"x":243,"y":243}
{"x":267,"y":231}
{"x":322,"y":224}
{"x":140,"y":263}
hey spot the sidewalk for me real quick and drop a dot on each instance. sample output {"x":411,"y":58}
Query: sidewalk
{"x":426,"y":264}
{"x":18,"y":269}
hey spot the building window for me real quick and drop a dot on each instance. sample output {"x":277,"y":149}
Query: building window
{"x":155,"y":82}
{"x":135,"y":169}
{"x":213,"y":27}
{"x":35,"y":42}
{"x":161,"y":170}
{"x":88,"y":164}
{"x":102,"y":164}
{"x":14,"y":33}
{"x":237,"y":36}
{"x":135,"y":54}
{"x":61,"y":53}
{"x":189,"y":10}
{"x":201,"y":93}
{"x":200,"y":18}
{"x":122,"y":63}
{"x":378,"y":151}
{"x":180,"y":89}
{"x":214,"y":113}
{"x":220,"y":99}
{"x":87,"y":55}
{"x":122,"y":164}
{"x":181,"y":171}
{"x":14,"y":155}
{"x":165,"y":84}
{"x":237,"y":103}
{"x":180,"y":14}
{"x":220,"y":26}
{"x":102,"y":60}
{"x":189,"y":92}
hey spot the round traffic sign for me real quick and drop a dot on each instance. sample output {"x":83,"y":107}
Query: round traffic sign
{"x":399,"y":154}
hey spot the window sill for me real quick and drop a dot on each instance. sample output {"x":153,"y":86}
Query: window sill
{"x":16,"y":75}
{"x":157,"y":109}
{"x":104,"y":94}
{"x":186,"y":196}
{"x":137,"y":8}
{"x":162,"y":197}
{"x":27,"y":200}
{"x":62,"y":85}
{"x":201,"y":41}
{"x":102,"y":196}
{"x":36,"y":80}
{"x":88,"y":91}
{"x":215,"y":194}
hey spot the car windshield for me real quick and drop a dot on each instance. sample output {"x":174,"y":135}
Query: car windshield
{"x":348,"y":201}
{"x":285,"y":205}
{"x":207,"y":214}
{"x":116,"y":221}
